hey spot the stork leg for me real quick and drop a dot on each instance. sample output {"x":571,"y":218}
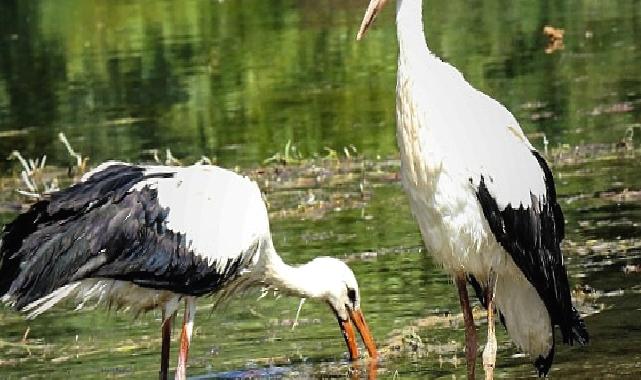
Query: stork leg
{"x":371,"y":372}
{"x":489,"y":353}
{"x":166,"y":340}
{"x":185,"y":337}
{"x":470,"y":329}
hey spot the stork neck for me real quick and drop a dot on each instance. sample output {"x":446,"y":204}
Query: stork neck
{"x":295,"y":280}
{"x":409,"y":29}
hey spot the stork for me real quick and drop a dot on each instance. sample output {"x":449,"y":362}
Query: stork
{"x":150,"y":236}
{"x":484,"y":199}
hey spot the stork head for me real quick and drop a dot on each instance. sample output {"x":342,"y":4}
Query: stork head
{"x":338,"y":287}
{"x":372,"y":11}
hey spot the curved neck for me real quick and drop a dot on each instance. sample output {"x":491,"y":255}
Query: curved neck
{"x":296,"y":280}
{"x":409,"y":29}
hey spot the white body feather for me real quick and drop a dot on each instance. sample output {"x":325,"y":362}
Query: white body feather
{"x":221,"y":215}
{"x":220,"y":212}
{"x":449,"y":135}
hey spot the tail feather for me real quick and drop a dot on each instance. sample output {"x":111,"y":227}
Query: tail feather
{"x":543,"y":363}
{"x":13,"y":236}
{"x":45,"y":303}
{"x":579,"y":335}
{"x":579,"y":330}
{"x":21,"y":240}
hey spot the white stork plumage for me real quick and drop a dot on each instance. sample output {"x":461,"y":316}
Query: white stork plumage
{"x":484,"y":198}
{"x":150,"y":236}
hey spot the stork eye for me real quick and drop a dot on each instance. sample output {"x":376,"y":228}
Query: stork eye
{"x":351,"y":294}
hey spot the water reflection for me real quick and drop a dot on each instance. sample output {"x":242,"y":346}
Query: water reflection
{"x":237,"y":79}
{"x":409,"y":302}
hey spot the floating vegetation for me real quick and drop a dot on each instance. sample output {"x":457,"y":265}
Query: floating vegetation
{"x":342,"y":179}
{"x":81,"y":162}
{"x":31,"y":176}
{"x":290,"y":155}
{"x":565,"y":155}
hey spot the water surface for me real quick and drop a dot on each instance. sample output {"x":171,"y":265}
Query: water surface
{"x":236,"y":80}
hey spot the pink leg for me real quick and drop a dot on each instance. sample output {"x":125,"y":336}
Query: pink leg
{"x":185,"y":337}
{"x":470,"y":329}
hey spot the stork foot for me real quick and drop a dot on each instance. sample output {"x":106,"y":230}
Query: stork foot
{"x":489,"y":357}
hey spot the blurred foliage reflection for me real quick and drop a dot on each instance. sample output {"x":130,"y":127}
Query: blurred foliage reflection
{"x":237,"y":79}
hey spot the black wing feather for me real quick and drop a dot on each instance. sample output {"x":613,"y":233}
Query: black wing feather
{"x":60,"y":207}
{"x":532,"y":236}
{"x":101,"y":229}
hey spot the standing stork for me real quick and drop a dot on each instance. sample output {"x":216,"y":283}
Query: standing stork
{"x":484,"y":199}
{"x":151,"y":236}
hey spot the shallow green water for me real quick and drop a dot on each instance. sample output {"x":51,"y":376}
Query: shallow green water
{"x":235,"y":80}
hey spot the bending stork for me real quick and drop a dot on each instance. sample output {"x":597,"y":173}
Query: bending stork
{"x":148,"y":237}
{"x":483,"y":197}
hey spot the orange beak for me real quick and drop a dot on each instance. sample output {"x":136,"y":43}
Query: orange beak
{"x":350,"y":336}
{"x":373,"y":8}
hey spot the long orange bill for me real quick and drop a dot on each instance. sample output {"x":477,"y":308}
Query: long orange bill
{"x":359,"y":320}
{"x":350,"y":337}
{"x":370,"y":14}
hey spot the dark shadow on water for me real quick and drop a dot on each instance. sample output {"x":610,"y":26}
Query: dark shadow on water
{"x":258,"y":373}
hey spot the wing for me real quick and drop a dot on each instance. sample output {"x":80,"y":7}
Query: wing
{"x":110,"y":226}
{"x":531,"y":233}
{"x":109,"y":181}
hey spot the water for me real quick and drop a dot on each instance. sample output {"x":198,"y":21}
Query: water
{"x":236,"y":80}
